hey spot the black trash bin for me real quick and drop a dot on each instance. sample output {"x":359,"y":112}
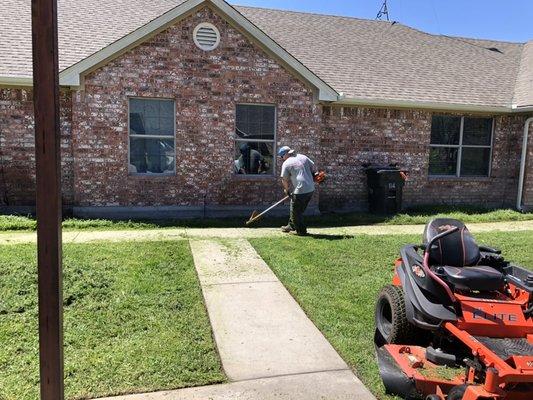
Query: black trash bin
{"x":385,"y":189}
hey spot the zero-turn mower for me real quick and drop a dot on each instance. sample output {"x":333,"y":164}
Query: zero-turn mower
{"x":456,"y":323}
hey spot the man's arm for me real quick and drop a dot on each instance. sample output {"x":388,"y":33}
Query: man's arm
{"x":286,"y":185}
{"x":312,"y":165}
{"x":285,"y":182}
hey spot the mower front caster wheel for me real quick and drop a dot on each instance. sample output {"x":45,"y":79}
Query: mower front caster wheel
{"x":390,"y":317}
{"x":457,"y":392}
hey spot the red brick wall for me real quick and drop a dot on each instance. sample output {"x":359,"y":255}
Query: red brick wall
{"x":206,"y":87}
{"x":17,"y":147}
{"x":354,"y":136}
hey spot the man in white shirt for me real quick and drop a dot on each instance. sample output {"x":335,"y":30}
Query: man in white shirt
{"x":297,"y":173}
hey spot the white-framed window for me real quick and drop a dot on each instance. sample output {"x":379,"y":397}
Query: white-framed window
{"x":152,"y":136}
{"x":255,"y":138}
{"x":460,"y":146}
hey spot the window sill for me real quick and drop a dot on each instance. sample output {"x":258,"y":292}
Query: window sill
{"x":440,"y":178}
{"x":244,"y":177}
{"x":151,"y":176}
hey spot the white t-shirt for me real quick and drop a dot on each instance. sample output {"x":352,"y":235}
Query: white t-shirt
{"x":299,"y":169}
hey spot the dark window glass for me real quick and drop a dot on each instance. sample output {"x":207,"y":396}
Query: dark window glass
{"x":255,"y":122}
{"x":475,"y":161}
{"x":477,"y":131}
{"x":443,"y":161}
{"x":254,"y":158}
{"x":151,"y":156}
{"x":445,"y":130}
{"x":152,"y":117}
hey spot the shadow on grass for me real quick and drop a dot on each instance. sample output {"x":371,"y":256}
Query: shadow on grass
{"x":329,"y":237}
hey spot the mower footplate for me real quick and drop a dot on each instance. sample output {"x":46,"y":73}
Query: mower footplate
{"x":407,"y":372}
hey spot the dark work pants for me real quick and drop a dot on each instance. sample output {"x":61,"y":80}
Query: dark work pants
{"x":299,"y":204}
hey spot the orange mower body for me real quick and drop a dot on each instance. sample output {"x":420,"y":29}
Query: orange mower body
{"x":456,"y":332}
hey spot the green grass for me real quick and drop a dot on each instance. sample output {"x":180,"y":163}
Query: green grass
{"x":336,"y":281}
{"x":418,"y":215}
{"x":134,"y":321}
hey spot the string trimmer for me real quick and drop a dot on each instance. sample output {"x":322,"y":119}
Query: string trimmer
{"x":318,"y":178}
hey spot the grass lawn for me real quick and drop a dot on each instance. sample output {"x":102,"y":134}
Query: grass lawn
{"x":133,"y":314}
{"x":415,"y":216}
{"x":337,"y":281}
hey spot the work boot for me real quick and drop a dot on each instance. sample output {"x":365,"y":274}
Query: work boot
{"x":287,"y":229}
{"x":302,"y":233}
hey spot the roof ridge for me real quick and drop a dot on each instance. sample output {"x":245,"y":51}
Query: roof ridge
{"x":313,"y":13}
{"x":482,"y":40}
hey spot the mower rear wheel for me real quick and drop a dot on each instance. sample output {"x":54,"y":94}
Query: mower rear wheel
{"x":391,"y":318}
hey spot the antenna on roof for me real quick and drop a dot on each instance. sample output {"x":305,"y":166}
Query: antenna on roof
{"x":383,"y":12}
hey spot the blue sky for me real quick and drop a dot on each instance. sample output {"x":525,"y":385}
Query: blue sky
{"x":508,"y":20}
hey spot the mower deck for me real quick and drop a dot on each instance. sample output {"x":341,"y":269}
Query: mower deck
{"x":510,"y":362}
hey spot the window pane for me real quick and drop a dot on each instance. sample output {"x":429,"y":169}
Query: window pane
{"x":477,"y":131}
{"x":152,"y":156}
{"x":152,"y":117}
{"x":443,"y":161}
{"x":255,"y":122}
{"x":475,"y":162}
{"x":445,"y":129}
{"x":254,"y":158}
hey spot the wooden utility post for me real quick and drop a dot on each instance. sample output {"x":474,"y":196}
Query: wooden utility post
{"x":48,"y":170}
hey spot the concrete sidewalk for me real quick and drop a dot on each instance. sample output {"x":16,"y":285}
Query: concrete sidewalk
{"x":260,"y":330}
{"x":334,"y":385}
{"x":187,"y":233}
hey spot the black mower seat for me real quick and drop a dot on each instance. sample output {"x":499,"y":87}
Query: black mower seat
{"x":458,"y":249}
{"x":479,"y":278}
{"x":455,"y":257}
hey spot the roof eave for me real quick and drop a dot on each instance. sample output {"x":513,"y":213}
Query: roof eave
{"x":522,"y":108}
{"x":423,"y":105}
{"x":15,"y":81}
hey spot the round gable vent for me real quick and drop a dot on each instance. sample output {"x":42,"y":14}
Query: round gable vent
{"x":206,"y":36}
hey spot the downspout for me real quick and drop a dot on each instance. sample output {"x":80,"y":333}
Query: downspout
{"x":523,"y":165}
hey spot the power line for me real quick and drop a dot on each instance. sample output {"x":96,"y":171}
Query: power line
{"x":383,"y":12}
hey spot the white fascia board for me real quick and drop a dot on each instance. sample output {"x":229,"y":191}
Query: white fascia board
{"x":15,"y":81}
{"x":325,"y":92}
{"x":72,"y":75}
{"x":522,"y":108}
{"x":423,"y":105}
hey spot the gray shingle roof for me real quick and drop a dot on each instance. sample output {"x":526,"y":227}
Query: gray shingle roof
{"x":524,"y":82}
{"x":363,"y":59}
{"x":380,"y":60}
{"x":84,"y":27}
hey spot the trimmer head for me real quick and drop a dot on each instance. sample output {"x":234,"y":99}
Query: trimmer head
{"x":253,"y":217}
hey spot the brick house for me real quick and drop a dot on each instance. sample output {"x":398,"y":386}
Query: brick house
{"x":177,"y":107}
